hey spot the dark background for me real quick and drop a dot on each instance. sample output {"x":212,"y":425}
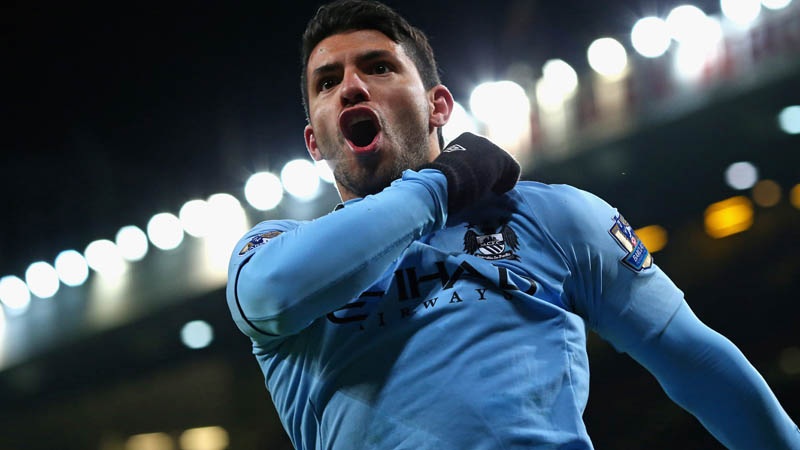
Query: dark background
{"x":112,"y":112}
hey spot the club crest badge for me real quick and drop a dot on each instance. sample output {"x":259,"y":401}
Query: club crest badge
{"x":258,"y":240}
{"x":491,"y":243}
{"x":638,"y":258}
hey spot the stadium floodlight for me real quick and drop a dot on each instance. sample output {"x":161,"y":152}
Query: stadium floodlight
{"x":505,"y":109}
{"x":228,"y":218}
{"x":775,"y":4}
{"x":263,"y":191}
{"x":324,"y":171}
{"x":197,"y":334}
{"x":684,"y":22}
{"x":14,"y":294}
{"x":698,"y":48}
{"x":789,"y":119}
{"x":558,"y":83}
{"x":561,"y":76}
{"x":460,"y":122}
{"x":650,"y":37}
{"x":300,"y":179}
{"x":499,"y":102}
{"x":741,"y":175}
{"x":165,"y":231}
{"x":741,"y":12}
{"x":104,"y":257}
{"x":72,"y":268}
{"x":194,"y":217}
{"x":607,"y":57}
{"x":42,"y":279}
{"x":132,"y":243}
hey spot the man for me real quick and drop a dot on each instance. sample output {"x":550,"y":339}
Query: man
{"x":443,"y":305}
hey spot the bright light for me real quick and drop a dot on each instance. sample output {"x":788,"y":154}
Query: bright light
{"x":499,"y":101}
{"x":697,"y":49}
{"x":226,"y":221}
{"x":299,"y":178}
{"x":71,"y":268}
{"x":132,"y":243}
{"x":194,"y":217}
{"x":229,"y":222}
{"x":775,"y":4}
{"x":766,"y":193}
{"x":197,"y":334}
{"x":607,"y":57}
{"x":165,"y":231}
{"x":741,"y":12}
{"x":654,"y":237}
{"x":741,"y":175}
{"x":482,"y":102}
{"x":789,"y":119}
{"x":228,"y":216}
{"x":205,"y":438}
{"x":505,"y":109}
{"x":684,"y":22}
{"x":149,"y":441}
{"x":104,"y":257}
{"x":42,"y":279}
{"x":560,"y":75}
{"x":650,"y":37}
{"x":559,"y":82}
{"x":263,"y":191}
{"x":14,"y":294}
{"x":460,"y":122}
{"x":794,"y":196}
{"x":728,"y":217}
{"x":324,"y":171}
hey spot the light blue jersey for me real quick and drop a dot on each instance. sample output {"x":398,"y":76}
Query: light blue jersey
{"x":387,"y":325}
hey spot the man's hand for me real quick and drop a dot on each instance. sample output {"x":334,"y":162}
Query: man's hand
{"x":474,"y":166}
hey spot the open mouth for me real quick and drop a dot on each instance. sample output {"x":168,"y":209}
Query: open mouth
{"x":361,"y":128}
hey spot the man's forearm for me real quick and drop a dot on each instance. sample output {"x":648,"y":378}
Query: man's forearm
{"x":708,"y":376}
{"x":311,"y":270}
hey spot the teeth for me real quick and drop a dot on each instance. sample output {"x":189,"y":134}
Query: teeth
{"x":358,"y":119}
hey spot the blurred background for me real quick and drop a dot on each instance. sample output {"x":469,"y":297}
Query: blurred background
{"x":141,"y":140}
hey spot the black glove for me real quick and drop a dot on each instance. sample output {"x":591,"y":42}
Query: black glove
{"x":474,"y":166}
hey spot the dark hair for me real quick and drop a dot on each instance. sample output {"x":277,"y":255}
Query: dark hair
{"x":346,"y":15}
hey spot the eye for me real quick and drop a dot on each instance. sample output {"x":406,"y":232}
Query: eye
{"x":381,"y":68}
{"x":325,"y":84}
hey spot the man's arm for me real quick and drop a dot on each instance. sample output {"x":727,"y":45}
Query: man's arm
{"x":298,"y":274}
{"x":303,"y":273}
{"x":707,"y":375}
{"x":629,"y":301}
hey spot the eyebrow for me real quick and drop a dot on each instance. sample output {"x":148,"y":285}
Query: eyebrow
{"x":360,"y":59}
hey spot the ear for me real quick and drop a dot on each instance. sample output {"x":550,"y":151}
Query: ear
{"x":311,"y":143}
{"x":441,"y":101}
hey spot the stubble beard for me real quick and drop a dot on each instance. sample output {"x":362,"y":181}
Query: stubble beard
{"x":373,"y":173}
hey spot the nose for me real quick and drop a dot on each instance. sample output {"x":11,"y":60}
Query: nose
{"x":353,"y":88}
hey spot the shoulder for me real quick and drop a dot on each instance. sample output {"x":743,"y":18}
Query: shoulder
{"x":561,"y":204}
{"x":261,"y":234}
{"x":572,"y":217}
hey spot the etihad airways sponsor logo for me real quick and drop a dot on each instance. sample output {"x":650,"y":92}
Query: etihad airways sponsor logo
{"x":417,"y":293}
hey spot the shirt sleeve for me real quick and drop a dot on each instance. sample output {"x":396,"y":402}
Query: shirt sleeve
{"x":283,"y":275}
{"x":614,"y":284}
{"x":616,"y":287}
{"x":708,"y":375}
